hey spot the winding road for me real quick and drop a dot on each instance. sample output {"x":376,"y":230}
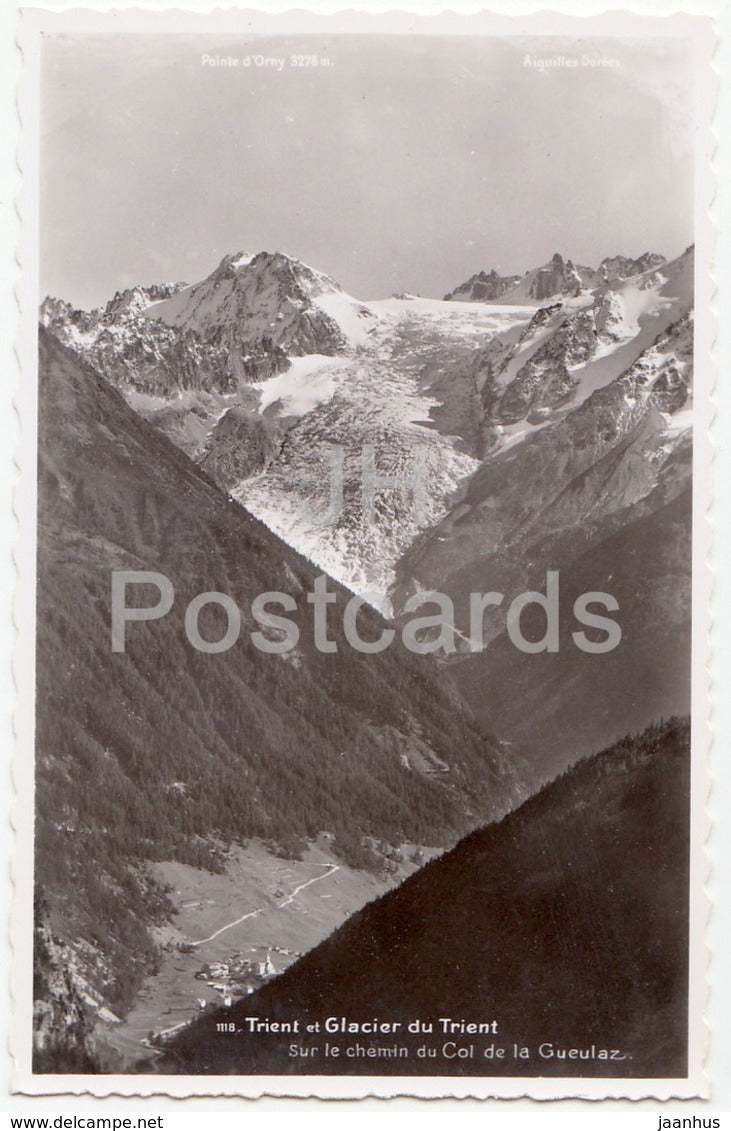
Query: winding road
{"x":330,"y":870}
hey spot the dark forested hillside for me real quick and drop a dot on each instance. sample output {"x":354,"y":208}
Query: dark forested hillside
{"x":163,"y":752}
{"x":556,"y":706}
{"x":565,"y":923}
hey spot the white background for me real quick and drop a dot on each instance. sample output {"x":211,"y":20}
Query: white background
{"x":232,"y":1113}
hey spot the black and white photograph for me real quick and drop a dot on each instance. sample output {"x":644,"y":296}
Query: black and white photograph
{"x":368,"y":722}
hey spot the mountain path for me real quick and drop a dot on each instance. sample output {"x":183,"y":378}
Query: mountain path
{"x":331,"y":870}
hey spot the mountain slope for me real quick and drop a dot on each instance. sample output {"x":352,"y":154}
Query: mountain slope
{"x":438,"y":383}
{"x":180,"y":752}
{"x":299,"y":366}
{"x":553,"y":706}
{"x":262,"y":299}
{"x":565,"y":923}
{"x":511,"y":438}
{"x":624,"y":266}
{"x":590,"y":479}
{"x":302,"y":367}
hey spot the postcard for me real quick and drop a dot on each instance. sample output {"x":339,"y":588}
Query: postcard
{"x":363,"y":587}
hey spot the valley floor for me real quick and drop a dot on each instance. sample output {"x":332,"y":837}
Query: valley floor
{"x":262,"y":907}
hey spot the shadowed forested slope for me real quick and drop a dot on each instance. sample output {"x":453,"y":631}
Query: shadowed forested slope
{"x":565,"y":923}
{"x":163,"y":752}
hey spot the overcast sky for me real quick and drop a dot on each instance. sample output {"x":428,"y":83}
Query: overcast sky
{"x":408,"y":164}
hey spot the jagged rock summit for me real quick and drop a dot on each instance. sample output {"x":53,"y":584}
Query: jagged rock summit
{"x":137,"y":354}
{"x":623,"y":267}
{"x":485,"y":286}
{"x":269,"y":298}
{"x":558,"y":278}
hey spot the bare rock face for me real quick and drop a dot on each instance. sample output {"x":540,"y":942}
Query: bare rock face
{"x":558,"y":278}
{"x":555,"y":278}
{"x":572,"y":346}
{"x":239,"y":325}
{"x":133,"y":300}
{"x":482,"y":287}
{"x":664,"y":373}
{"x":586,"y":471}
{"x":54,"y":310}
{"x":133,"y":352}
{"x":542,"y":316}
{"x":608,"y":315}
{"x":61,"y":1030}
{"x":670,"y":390}
{"x":240,"y":445}
{"x":545,"y":381}
{"x":624,"y":267}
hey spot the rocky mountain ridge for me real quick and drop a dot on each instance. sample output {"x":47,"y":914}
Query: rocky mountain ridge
{"x":584,"y":494}
{"x":506,"y":439}
{"x":268,"y":300}
{"x":557,"y":278}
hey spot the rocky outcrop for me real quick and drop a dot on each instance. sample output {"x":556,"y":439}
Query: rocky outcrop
{"x":568,"y":348}
{"x":240,"y":445}
{"x":609,"y":315}
{"x":663,"y":375}
{"x":488,"y":367}
{"x":556,"y":278}
{"x":545,"y":381}
{"x":53,"y":310}
{"x":542,"y":316}
{"x":133,"y":352}
{"x":132,"y":300}
{"x":553,"y":278}
{"x":61,"y":1025}
{"x":482,"y":287}
{"x":624,"y":267}
{"x":240,"y":325}
{"x":600,"y":493}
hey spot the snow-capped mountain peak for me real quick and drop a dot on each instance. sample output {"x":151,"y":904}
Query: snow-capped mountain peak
{"x":265,"y":299}
{"x":52,"y":309}
{"x":265,"y":347}
{"x":287,"y":269}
